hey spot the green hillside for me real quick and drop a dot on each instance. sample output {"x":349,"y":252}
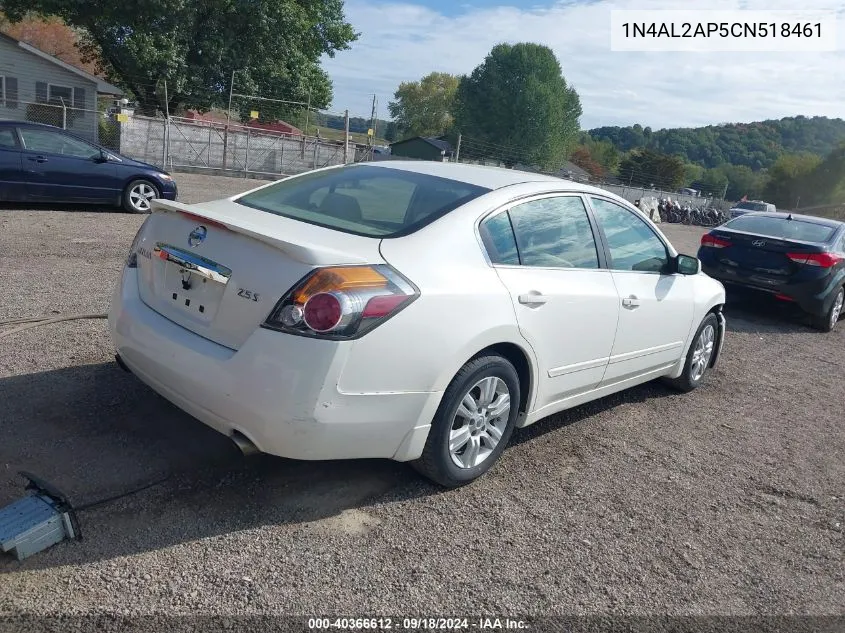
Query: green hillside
{"x":756,"y":145}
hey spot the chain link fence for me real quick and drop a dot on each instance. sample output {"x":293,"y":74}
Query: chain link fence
{"x":97,"y":126}
{"x":203,"y":142}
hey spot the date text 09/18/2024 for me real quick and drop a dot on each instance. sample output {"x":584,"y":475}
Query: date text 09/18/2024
{"x":417,"y":624}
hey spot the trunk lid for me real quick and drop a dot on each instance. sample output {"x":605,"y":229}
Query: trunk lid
{"x":761,"y":259}
{"x":218,"y":268}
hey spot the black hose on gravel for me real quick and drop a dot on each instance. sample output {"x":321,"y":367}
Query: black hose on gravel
{"x":27,"y":323}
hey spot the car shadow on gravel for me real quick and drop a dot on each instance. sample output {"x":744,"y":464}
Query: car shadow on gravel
{"x":96,"y":432}
{"x":638,"y":394}
{"x":752,"y":313}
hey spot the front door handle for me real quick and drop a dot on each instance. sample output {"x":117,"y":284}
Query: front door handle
{"x":38,"y":159}
{"x":532,"y":299}
{"x":631,"y":302}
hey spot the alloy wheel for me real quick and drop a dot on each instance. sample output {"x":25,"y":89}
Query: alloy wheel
{"x":479,"y":422}
{"x":702,"y":352}
{"x":141,"y":195}
{"x":836,"y":309}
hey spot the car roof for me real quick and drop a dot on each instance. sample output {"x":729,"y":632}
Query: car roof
{"x":478,"y":175}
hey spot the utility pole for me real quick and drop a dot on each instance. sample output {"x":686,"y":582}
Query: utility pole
{"x":228,"y":118}
{"x":458,"y":150}
{"x":307,"y":111}
{"x":166,"y":127}
{"x":346,"y":137}
{"x":725,"y":191}
{"x":373,"y":120}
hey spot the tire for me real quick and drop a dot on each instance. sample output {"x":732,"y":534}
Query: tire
{"x":827,"y":321}
{"x":699,"y":355}
{"x":138,"y":194}
{"x":452,"y":469}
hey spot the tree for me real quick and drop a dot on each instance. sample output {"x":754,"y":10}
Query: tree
{"x":828,"y":179}
{"x":646,"y":168}
{"x":274,"y":45}
{"x":516,"y":106}
{"x":391,"y":132}
{"x":712,"y":183}
{"x":791,"y":180}
{"x":604,"y":153}
{"x":50,"y":35}
{"x":582,"y":157}
{"x":743,"y":181}
{"x":755,"y":145}
{"x":424,"y":107}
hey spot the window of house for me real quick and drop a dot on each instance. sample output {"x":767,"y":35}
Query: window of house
{"x":60,"y":95}
{"x":9,"y":92}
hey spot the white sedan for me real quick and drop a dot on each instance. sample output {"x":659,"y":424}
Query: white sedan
{"x":415,"y":311}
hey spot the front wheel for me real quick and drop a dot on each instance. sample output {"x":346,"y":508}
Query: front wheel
{"x":138,"y":195}
{"x":827,"y":321}
{"x":473,"y":424}
{"x":699,"y":356}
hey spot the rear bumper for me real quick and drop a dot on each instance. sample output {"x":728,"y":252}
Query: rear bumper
{"x":812,"y":296}
{"x":278,"y":390}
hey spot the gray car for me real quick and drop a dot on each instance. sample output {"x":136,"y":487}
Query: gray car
{"x":742,"y":208}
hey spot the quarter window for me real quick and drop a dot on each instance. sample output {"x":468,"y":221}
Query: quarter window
{"x":632,"y":243}
{"x":7,"y":139}
{"x":554,"y":233}
{"x":497,"y":235}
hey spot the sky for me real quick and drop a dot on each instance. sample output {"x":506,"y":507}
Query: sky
{"x":403,"y":41}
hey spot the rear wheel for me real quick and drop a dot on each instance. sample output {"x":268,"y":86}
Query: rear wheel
{"x":473,"y":424}
{"x":827,"y":321}
{"x":699,"y":356}
{"x":138,"y":195}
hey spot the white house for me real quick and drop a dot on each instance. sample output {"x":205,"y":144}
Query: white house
{"x":38,"y":87}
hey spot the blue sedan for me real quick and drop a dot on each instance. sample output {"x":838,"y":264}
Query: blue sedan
{"x":42,"y":163}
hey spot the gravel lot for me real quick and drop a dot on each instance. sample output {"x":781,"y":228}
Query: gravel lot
{"x":729,"y":500}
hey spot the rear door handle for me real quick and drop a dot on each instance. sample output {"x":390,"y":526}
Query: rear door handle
{"x":38,"y":159}
{"x":630,"y":302}
{"x":532,"y":299}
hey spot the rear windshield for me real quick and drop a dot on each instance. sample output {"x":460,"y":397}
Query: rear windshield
{"x":364,"y":200}
{"x":751,"y":206}
{"x":782,"y":228}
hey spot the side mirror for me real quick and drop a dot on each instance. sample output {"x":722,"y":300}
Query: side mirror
{"x":687,"y":265}
{"x":102,"y":157}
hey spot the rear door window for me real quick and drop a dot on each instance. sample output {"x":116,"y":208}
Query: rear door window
{"x":364,"y":200}
{"x":782,"y":228}
{"x":554,"y":233}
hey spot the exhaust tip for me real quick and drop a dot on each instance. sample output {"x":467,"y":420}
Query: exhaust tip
{"x":121,"y":364}
{"x":244,"y":444}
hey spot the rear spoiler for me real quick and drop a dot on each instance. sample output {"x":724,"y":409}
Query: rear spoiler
{"x":302,"y":247}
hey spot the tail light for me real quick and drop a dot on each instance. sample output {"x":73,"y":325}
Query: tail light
{"x":822,"y":260}
{"x":714,"y":242}
{"x":132,"y":258}
{"x":342,"y":302}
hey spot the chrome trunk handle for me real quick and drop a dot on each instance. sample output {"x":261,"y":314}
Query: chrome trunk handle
{"x":195,"y":263}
